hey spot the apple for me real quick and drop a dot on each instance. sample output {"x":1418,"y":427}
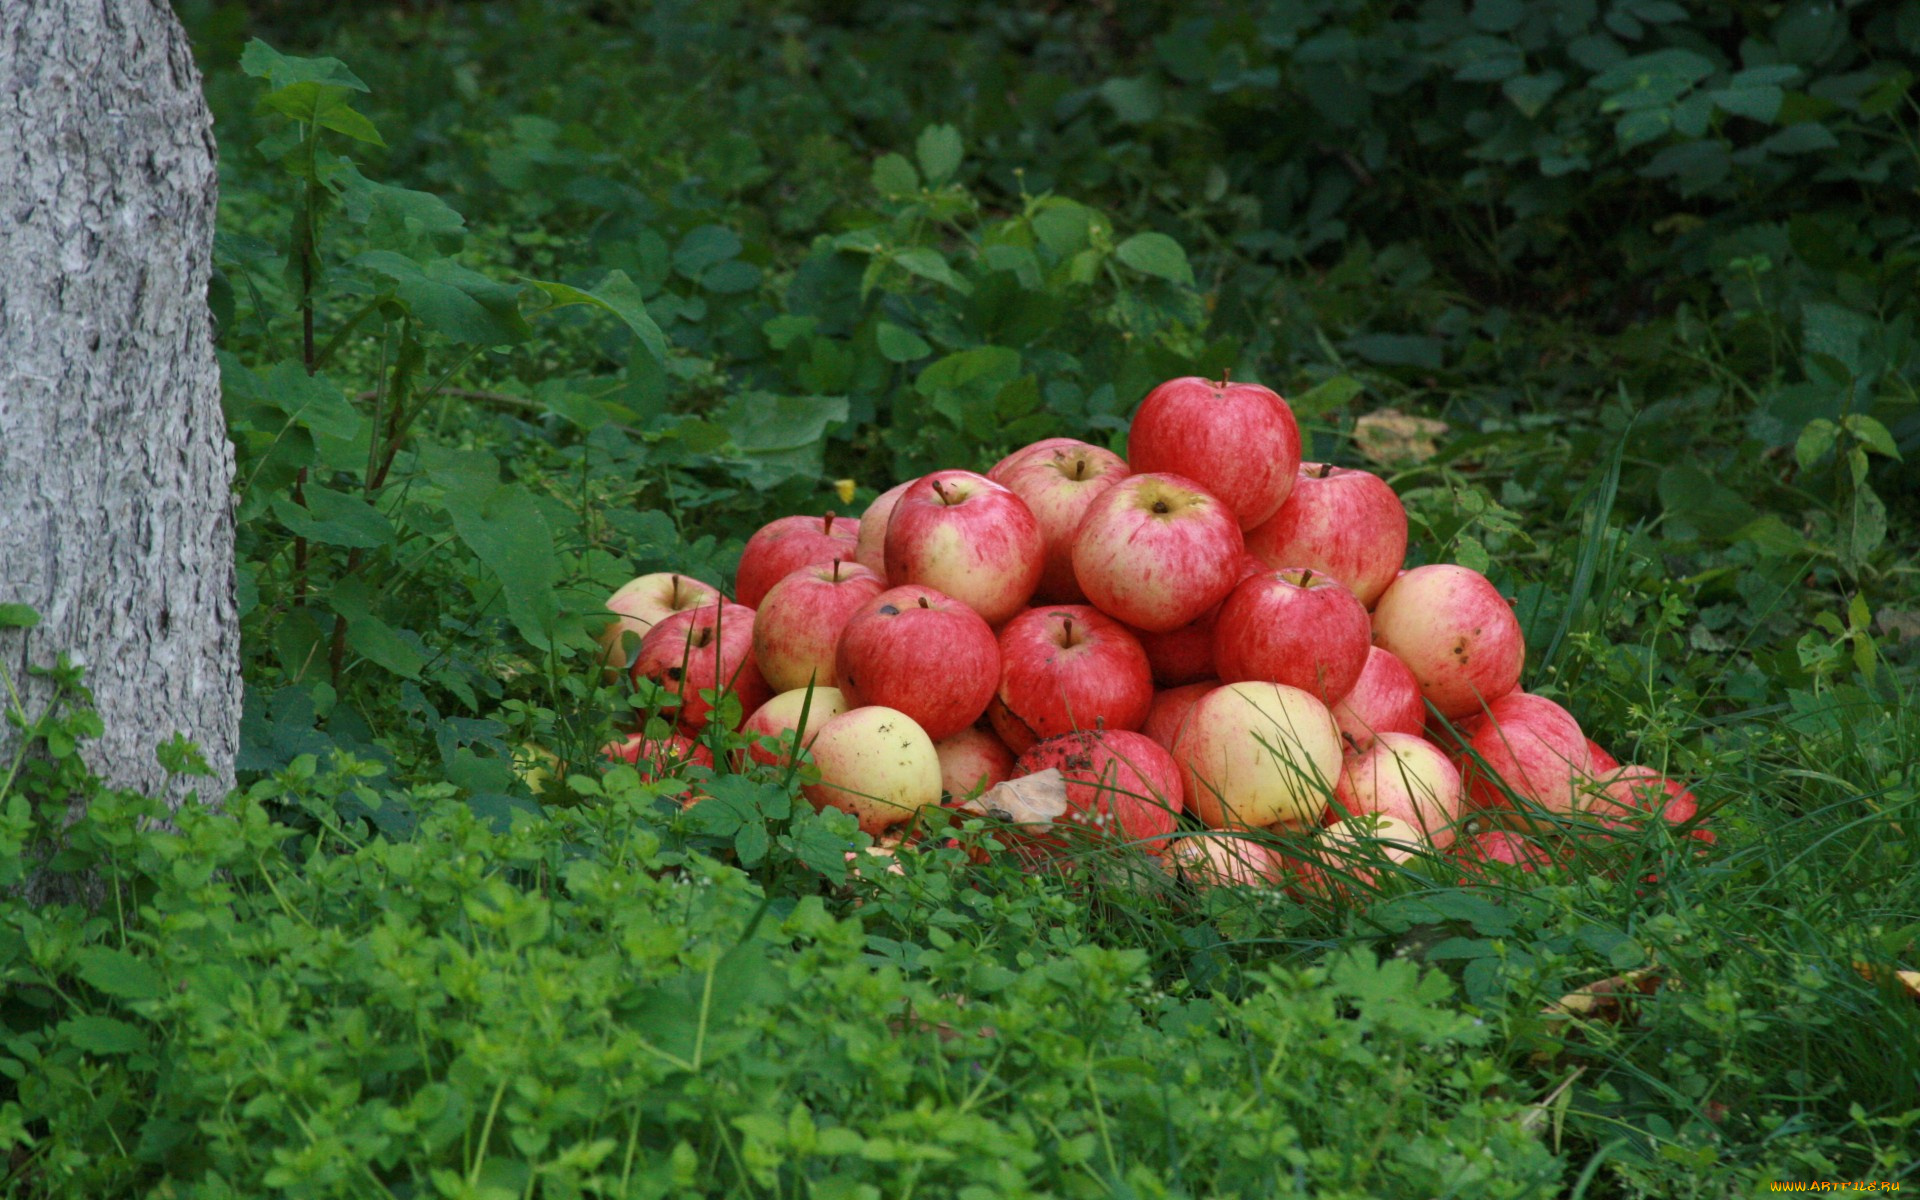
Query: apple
{"x":1216,"y":859}
{"x":1296,"y":627}
{"x":796,"y":629}
{"x":877,"y":764}
{"x":638,"y":605}
{"x":1116,"y":782}
{"x":1185,"y":655}
{"x":1501,"y":846}
{"x":783,"y":546}
{"x":1342,"y":522}
{"x":969,"y":537}
{"x":1256,"y":754}
{"x":1068,"y":667}
{"x":1455,"y":632}
{"x":1168,"y":714}
{"x":1238,"y":441}
{"x":1404,"y":777}
{"x":972,"y":761}
{"x":1058,"y":478}
{"x":922,"y":652}
{"x":1603,"y":762}
{"x":1528,"y":746}
{"x":703,"y":649}
{"x":870,"y":551}
{"x":1157,"y":551}
{"x":1628,"y":795}
{"x":656,"y":758}
{"x":791,"y":718}
{"x":1385,"y":699}
{"x":1353,"y":849}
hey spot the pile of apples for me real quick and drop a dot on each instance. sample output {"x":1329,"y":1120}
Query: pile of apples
{"x":1210,"y":632}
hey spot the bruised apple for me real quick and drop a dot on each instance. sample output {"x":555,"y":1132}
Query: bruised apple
{"x":1455,"y":632}
{"x":922,"y":652}
{"x":1118,"y":783}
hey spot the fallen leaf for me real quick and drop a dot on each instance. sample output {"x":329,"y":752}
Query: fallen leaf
{"x":1903,"y":624}
{"x":1608,"y":1000}
{"x":1910,"y":980}
{"x":1391,"y":436}
{"x":1038,"y":799}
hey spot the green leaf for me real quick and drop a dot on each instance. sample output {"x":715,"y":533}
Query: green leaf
{"x":454,"y":302}
{"x":279,"y":70}
{"x":1158,"y":255}
{"x":704,"y":247}
{"x":1651,"y":80}
{"x":336,"y":518}
{"x":938,"y":151}
{"x":118,"y":973}
{"x":1872,"y":434}
{"x":396,"y":218}
{"x":894,"y":176}
{"x":777,"y":438}
{"x":900,"y":345}
{"x":1497,"y":16}
{"x":1063,"y":227}
{"x":995,"y":366}
{"x":371,"y":637}
{"x":1325,"y":396}
{"x":1135,"y":99}
{"x":927,"y":263}
{"x":103,"y":1035}
{"x":312,"y":402}
{"x":1836,"y":332}
{"x":1814,"y":442}
{"x":1530,"y":93}
{"x":615,"y":294}
{"x":508,"y":532}
{"x":1760,"y":101}
{"x":1866,"y":528}
{"x":325,"y":105}
{"x":18,"y":616}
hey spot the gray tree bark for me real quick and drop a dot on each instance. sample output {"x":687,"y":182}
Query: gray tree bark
{"x":116,"y":521}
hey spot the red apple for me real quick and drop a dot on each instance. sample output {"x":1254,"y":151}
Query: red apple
{"x":1499,"y":846}
{"x":1603,"y":762}
{"x":1068,"y":667}
{"x":640,"y":604}
{"x":1359,"y":849}
{"x":871,"y":549}
{"x":791,"y":718}
{"x":1116,"y":781}
{"x":1340,"y":521}
{"x":1385,"y":699}
{"x":1405,"y":777}
{"x":784,"y":546}
{"x":1156,"y":551}
{"x":796,"y":629}
{"x":1255,"y":754}
{"x":1239,"y":441}
{"x":703,"y":649}
{"x":922,"y":652}
{"x":1209,"y":860}
{"x":972,"y":761}
{"x":657,"y":758}
{"x":1058,"y":479}
{"x":1528,"y":746}
{"x":1629,"y":795}
{"x":1296,"y":627}
{"x":970,"y":538}
{"x":877,"y":764}
{"x":1455,"y":632}
{"x":1185,"y":655}
{"x":1168,"y":715}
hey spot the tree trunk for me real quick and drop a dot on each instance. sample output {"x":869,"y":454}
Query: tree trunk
{"x":116,"y":519}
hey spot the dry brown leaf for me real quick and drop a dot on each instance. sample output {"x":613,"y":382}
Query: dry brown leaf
{"x":1391,"y":436}
{"x":1903,"y":624}
{"x":1608,"y":1000}
{"x":1039,"y":799}
{"x":1910,"y":980}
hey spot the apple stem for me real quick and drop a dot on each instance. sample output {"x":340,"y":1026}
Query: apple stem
{"x":1067,"y":628}
{"x":1326,"y":469}
{"x":923,"y":603}
{"x":836,"y":564}
{"x":1306,"y":576}
{"x":940,"y":490}
{"x":826,"y":526}
{"x":1160,"y":507}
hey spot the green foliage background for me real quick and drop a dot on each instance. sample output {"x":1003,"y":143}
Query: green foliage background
{"x":518,"y":301}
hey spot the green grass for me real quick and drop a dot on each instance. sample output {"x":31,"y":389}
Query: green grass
{"x":1677,"y":410}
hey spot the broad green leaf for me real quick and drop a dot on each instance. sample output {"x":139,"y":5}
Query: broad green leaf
{"x":703,"y":247}
{"x":1530,"y":93}
{"x":927,"y":263}
{"x":777,"y":438}
{"x":325,"y":105}
{"x":1758,"y":101}
{"x":1325,"y":396}
{"x":1063,"y":227}
{"x":1156,"y":254}
{"x":618,"y":295}
{"x":1497,"y":16}
{"x":1872,"y":434}
{"x":1399,"y":349}
{"x":1650,"y":80}
{"x":371,"y":637}
{"x":1135,"y":99}
{"x":993,"y":365}
{"x":103,"y":1035}
{"x":335,"y":518}
{"x":1837,"y":332}
{"x":938,"y":152}
{"x":1814,"y":442}
{"x":312,"y":402}
{"x":507,"y":531}
{"x":264,"y":62}
{"x":397,"y":218}
{"x":1865,"y":528}
{"x":452,"y":301}
{"x":899,"y":345}
{"x":894,"y":176}
{"x":118,"y":974}
{"x":18,"y":616}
